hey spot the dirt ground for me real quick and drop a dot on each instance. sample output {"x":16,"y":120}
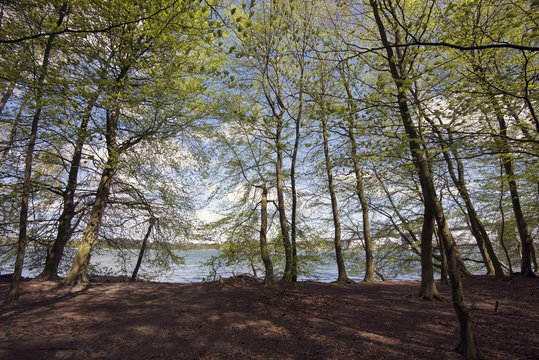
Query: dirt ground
{"x":244,"y":320}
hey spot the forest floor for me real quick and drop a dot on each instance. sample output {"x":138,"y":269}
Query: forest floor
{"x":242,"y":319}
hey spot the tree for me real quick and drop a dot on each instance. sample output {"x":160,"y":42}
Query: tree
{"x":142,"y":49}
{"x":467,"y":345}
{"x":62,"y":11}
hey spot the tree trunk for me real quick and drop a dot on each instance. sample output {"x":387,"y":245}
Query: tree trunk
{"x":369,"y":258}
{"x":7,"y":95}
{"x":443,"y":260}
{"x":522,"y":226}
{"x":287,"y":275}
{"x":13,"y":132}
{"x":467,"y":345}
{"x":294,"y":195}
{"x":269,"y":279}
{"x":50,"y":271}
{"x":478,"y":230}
{"x":78,"y":274}
{"x":142,"y":250}
{"x":428,"y":289}
{"x":26,"y":188}
{"x":342,"y":277}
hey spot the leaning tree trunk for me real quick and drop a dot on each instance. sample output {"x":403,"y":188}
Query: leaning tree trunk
{"x":269,"y":279}
{"x":23,"y":219}
{"x":78,"y":273}
{"x":342,"y":277}
{"x":467,"y":344}
{"x":50,"y":271}
{"x":484,"y":244}
{"x":142,"y":250}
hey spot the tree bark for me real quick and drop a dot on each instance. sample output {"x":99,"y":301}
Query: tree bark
{"x":13,"y":132}
{"x":287,"y":275}
{"x":428,"y":289}
{"x":269,"y":279}
{"x":369,"y":257}
{"x":293,"y":225}
{"x":478,"y":230}
{"x":342,"y":277}
{"x":50,"y":271}
{"x":78,"y":274}
{"x":142,"y":250}
{"x":522,"y":226}
{"x":26,"y":188}
{"x":7,"y":95}
{"x":467,"y":344}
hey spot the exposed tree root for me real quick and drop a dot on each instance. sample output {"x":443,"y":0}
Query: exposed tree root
{"x":420,"y":295}
{"x":344,"y":281}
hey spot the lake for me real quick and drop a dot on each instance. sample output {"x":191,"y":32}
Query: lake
{"x":116,"y":262}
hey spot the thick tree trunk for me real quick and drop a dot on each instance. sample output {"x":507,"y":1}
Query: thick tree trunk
{"x":467,"y":345}
{"x":50,"y":271}
{"x":369,"y":258}
{"x":269,"y":279}
{"x":142,"y":250}
{"x":342,"y":277}
{"x":287,"y":275}
{"x":26,"y":188}
{"x":78,"y":274}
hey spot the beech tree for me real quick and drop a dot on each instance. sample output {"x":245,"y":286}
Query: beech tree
{"x":61,"y":10}
{"x":139,"y":49}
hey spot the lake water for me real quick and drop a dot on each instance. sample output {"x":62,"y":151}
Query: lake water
{"x":115,"y":262}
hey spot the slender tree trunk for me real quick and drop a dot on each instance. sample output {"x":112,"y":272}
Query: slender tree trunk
{"x":467,"y":344}
{"x":342,"y":277}
{"x":478,"y":230}
{"x":287,"y":275}
{"x":26,"y":188}
{"x":369,"y":258}
{"x":522,"y":226}
{"x":7,"y":95}
{"x":13,"y":132}
{"x":269,"y":279}
{"x":443,"y":259}
{"x":502,"y":230}
{"x":50,"y":271}
{"x":411,"y":238}
{"x":142,"y":250}
{"x":293,"y":225}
